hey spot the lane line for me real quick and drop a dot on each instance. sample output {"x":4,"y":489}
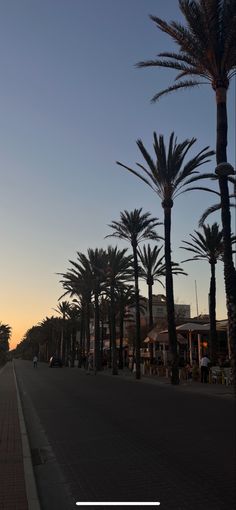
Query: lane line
{"x":118,"y":503}
{"x":30,"y":483}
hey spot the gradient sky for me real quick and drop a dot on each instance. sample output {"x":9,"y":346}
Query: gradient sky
{"x":72,"y":103}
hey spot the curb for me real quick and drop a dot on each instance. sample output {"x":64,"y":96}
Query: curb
{"x":30,"y":484}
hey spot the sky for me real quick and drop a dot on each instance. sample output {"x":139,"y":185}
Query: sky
{"x":72,"y":103}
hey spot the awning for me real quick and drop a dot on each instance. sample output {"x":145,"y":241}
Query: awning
{"x":193,"y":326}
{"x":163,"y":338}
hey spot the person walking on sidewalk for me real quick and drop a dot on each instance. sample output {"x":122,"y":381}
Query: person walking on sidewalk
{"x":35,"y":361}
{"x":204,"y":364}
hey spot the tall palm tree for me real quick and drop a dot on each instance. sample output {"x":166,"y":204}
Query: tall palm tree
{"x":118,"y":271}
{"x":208,"y":245}
{"x":169,"y":177}
{"x":135,"y":227}
{"x":207,"y":54}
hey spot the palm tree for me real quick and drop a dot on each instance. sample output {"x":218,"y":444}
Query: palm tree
{"x":208,"y":245}
{"x":63,"y":309}
{"x":92,"y":267}
{"x":207,"y":51}
{"x":74,"y":322}
{"x":79,"y":285}
{"x":118,"y":272}
{"x":152,"y":269}
{"x":51,"y":329}
{"x":168,"y":177}
{"x":135,"y":227}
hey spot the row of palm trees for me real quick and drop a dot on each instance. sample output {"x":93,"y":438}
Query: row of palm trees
{"x":44,"y":339}
{"x":115,"y":271}
{"x":206,"y":55}
{"x":5,"y":335}
{"x":105,"y":276}
{"x":102,"y":276}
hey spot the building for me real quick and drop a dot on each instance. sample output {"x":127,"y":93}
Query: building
{"x":159,"y":310}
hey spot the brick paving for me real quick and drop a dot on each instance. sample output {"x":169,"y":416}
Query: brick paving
{"x":12,"y":481}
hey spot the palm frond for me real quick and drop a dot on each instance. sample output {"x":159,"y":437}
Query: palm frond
{"x":209,"y":211}
{"x":181,"y":85}
{"x":199,"y":188}
{"x":137,"y":174}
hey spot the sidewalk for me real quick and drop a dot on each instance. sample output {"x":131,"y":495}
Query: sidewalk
{"x":12,"y":478}
{"x":212,"y":390}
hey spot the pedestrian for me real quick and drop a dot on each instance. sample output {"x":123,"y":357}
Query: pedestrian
{"x":35,"y":361}
{"x":204,"y":364}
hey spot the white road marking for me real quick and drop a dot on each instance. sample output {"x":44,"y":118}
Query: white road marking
{"x":118,"y":503}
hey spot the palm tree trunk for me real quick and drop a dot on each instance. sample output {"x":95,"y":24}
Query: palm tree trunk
{"x":102,"y":343}
{"x":121,"y":328}
{"x":113,"y":333}
{"x":212,"y":313}
{"x":170,"y":297}
{"x":229,"y":269}
{"x":81,"y":339}
{"x":150,"y":305}
{"x":60,"y":354}
{"x":87,"y":325}
{"x":137,"y":314}
{"x":110,"y":337}
{"x":150,"y":316}
{"x":97,"y":332}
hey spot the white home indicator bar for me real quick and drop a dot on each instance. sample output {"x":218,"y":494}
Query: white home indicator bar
{"x":118,"y":503}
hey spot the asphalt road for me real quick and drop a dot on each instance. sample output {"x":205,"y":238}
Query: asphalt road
{"x":102,"y":438}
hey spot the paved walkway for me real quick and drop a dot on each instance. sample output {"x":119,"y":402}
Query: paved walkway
{"x":12,"y":480}
{"x":212,"y":390}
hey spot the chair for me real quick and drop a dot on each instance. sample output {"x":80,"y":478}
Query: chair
{"x":216,"y":375}
{"x":227,"y":376}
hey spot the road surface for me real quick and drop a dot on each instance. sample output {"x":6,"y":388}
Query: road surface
{"x":104,"y":438}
